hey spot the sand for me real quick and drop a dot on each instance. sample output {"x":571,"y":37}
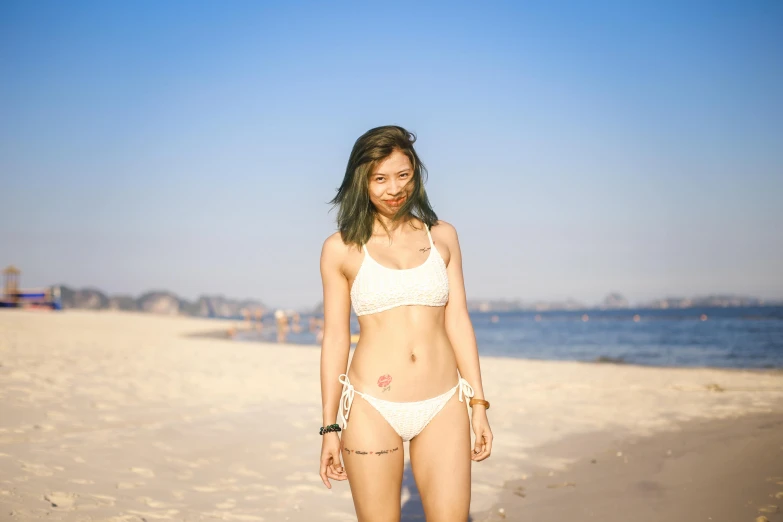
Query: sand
{"x":715,"y":470}
{"x":129,"y":417}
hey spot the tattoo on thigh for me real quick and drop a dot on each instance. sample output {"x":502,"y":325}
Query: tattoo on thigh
{"x":384,"y":381}
{"x":381,"y":452}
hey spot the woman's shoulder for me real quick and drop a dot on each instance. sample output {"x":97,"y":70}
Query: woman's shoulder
{"x":338,"y":256}
{"x":444,"y":230}
{"x":334,"y":244}
{"x":335,"y":249}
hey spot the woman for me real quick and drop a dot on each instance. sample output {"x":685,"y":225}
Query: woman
{"x":401,"y":269}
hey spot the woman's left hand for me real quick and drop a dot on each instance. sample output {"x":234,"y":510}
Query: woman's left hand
{"x":483,"y":446}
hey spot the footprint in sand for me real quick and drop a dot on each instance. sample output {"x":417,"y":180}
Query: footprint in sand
{"x":185,"y":475}
{"x":151,"y":502}
{"x":230,"y":503}
{"x":103,"y":500}
{"x":73,"y":502}
{"x":768,"y":509}
{"x":37,"y":469}
{"x":245,"y":472}
{"x":561,"y":485}
{"x":129,"y":485}
{"x":27,"y":514}
{"x":175,"y":460}
{"x":61,"y":499}
{"x":144,"y":472}
{"x":8,"y":493}
{"x":224,"y":426}
{"x":81,"y":481}
{"x":271,"y":490}
{"x":241,"y":517}
{"x":167,"y":515}
{"x":300,"y":476}
{"x":195,"y":464}
{"x":205,"y":489}
{"x":224,"y":484}
{"x":346,"y":517}
{"x":200,"y":462}
{"x":305,"y":488}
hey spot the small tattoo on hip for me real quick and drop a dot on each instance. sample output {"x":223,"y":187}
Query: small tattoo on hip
{"x":384,"y":381}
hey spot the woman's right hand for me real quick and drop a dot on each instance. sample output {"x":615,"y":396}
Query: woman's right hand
{"x":331,"y":465}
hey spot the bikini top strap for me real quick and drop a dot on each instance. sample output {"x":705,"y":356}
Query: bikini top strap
{"x":432,"y":244}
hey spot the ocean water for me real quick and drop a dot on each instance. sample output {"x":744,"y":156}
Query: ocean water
{"x":727,"y":337}
{"x":714,"y":337}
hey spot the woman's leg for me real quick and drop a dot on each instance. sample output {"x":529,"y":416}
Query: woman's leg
{"x":373,"y":458}
{"x":440,"y":459}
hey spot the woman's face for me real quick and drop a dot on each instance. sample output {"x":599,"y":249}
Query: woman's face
{"x":390,"y":183}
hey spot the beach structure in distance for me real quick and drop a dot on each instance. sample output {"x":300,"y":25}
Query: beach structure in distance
{"x":32,"y":298}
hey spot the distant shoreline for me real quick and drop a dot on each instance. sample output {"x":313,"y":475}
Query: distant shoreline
{"x":220,"y":306}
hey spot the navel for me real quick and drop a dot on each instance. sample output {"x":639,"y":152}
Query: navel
{"x":413,"y":357}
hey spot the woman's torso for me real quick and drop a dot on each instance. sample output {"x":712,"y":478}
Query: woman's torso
{"x":403,"y":353}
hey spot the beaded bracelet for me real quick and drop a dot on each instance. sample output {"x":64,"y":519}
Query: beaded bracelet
{"x":330,"y":428}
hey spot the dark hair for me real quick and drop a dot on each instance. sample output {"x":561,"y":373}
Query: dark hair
{"x":356,"y":213}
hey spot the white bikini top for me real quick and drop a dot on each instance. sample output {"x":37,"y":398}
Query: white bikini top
{"x":377,"y":288}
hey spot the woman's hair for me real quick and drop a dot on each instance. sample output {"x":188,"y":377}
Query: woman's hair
{"x":356,"y":213}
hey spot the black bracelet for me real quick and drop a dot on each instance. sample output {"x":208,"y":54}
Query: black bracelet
{"x":327,"y":429}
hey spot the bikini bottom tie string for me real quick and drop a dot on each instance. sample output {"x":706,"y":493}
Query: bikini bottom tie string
{"x":346,"y":400}
{"x":465,"y":389}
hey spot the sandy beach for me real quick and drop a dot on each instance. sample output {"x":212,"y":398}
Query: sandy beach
{"x":714,"y":470}
{"x":132,"y":417}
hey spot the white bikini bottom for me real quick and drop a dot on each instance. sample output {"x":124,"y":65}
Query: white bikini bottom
{"x":407,"y":418}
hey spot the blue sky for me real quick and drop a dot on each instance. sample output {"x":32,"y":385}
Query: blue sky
{"x":578,"y":147}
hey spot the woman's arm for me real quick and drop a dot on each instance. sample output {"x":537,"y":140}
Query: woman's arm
{"x":463,"y":340}
{"x":337,"y":328}
{"x":334,"y":351}
{"x":458,"y":325}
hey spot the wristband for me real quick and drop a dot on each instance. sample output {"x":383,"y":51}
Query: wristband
{"x":480,"y":402}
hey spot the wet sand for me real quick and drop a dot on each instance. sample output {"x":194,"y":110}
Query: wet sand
{"x":726,"y":470}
